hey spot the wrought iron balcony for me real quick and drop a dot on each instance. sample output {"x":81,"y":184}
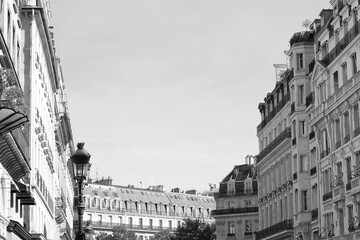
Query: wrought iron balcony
{"x":343,"y":43}
{"x":325,"y":153}
{"x":338,"y":144}
{"x":235,"y":211}
{"x":327,"y":196}
{"x":347,"y":138}
{"x":356,"y":132}
{"x":289,"y":74}
{"x":275,"y":229}
{"x":279,"y":139}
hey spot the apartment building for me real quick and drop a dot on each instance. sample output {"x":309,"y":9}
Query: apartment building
{"x":321,"y":151}
{"x":334,"y":120}
{"x":237,"y":213}
{"x":144,"y":211}
{"x":15,"y":195}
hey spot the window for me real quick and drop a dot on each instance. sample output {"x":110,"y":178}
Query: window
{"x":301,"y":94}
{"x":296,"y":200}
{"x":337,"y":132}
{"x":231,"y":204}
{"x":160,"y":224}
{"x":314,"y":193}
{"x":120,"y":220}
{"x":295,"y":163}
{"x":231,"y":187}
{"x":304,"y":200}
{"x":302,"y":129}
{"x":110,"y":219}
{"x":140,"y":222}
{"x":151,"y":223}
{"x":231,"y":228}
{"x":303,"y":163}
{"x":353,"y":63}
{"x":344,"y":72}
{"x":356,"y":120}
{"x":90,"y":217}
{"x":100,"y":219}
{"x":346,"y":127}
{"x":348,"y":168}
{"x":248,"y":185}
{"x":248,"y":203}
{"x":130,"y":222}
{"x":170,"y":225}
{"x":299,"y":61}
{"x":350,"y":213}
{"x":327,"y":180}
{"x":248,"y":226}
{"x":336,"y":81}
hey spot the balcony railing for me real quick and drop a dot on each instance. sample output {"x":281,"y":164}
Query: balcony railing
{"x":343,"y":43}
{"x":101,"y":224}
{"x":327,"y":196}
{"x":275,"y":229}
{"x":347,"y":138}
{"x":338,"y":144}
{"x":278,"y":107}
{"x":279,"y":139}
{"x":325,"y":153}
{"x":356,"y":132}
{"x":235,"y":210}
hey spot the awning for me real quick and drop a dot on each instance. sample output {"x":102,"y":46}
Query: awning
{"x":23,"y":193}
{"x":11,"y":119}
{"x":11,"y":158}
{"x":19,"y":230}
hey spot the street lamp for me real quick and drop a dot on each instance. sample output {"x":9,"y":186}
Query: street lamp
{"x":89,"y":231}
{"x":81,"y":163}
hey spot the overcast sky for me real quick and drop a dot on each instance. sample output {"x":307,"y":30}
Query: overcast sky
{"x":165,"y":92}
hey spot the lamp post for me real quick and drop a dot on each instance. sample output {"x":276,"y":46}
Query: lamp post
{"x":81,"y":163}
{"x":89,"y":231}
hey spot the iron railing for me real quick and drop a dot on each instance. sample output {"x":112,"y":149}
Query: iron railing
{"x":235,"y":210}
{"x":342,"y":44}
{"x":327,"y":196}
{"x":279,"y":139}
{"x":274,"y":229}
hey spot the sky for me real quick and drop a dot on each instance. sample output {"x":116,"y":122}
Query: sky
{"x":166,"y":92}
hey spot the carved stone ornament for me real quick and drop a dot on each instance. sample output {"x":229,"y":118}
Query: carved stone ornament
{"x":335,"y":113}
{"x":321,"y":124}
{"x":352,"y":99}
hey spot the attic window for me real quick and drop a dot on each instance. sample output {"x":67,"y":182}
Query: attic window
{"x":248,"y":185}
{"x":231,"y":187}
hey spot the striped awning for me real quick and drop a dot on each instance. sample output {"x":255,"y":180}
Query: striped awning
{"x":11,"y":158}
{"x":11,"y":119}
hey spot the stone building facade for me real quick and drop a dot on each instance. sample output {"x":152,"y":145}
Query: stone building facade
{"x":143,"y":211}
{"x":236,"y":213}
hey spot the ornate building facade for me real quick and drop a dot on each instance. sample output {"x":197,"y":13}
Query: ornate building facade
{"x":144,"y":211}
{"x":309,"y":177}
{"x":236,"y":213}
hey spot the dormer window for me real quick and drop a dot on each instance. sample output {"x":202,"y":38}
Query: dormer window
{"x":248,"y":185}
{"x":231,"y":187}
